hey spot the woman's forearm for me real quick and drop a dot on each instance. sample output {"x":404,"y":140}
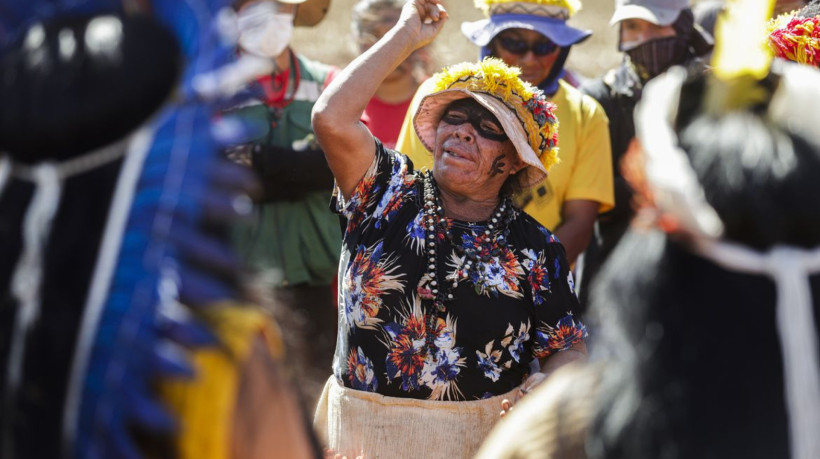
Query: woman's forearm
{"x":347,"y":143}
{"x":348,"y":94}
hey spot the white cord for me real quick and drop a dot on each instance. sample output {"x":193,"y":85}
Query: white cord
{"x":5,"y":172}
{"x":28,"y":274}
{"x":27,"y":281}
{"x":790,"y":268}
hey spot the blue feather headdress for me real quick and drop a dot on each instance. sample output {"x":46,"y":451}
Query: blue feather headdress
{"x":156,"y":265}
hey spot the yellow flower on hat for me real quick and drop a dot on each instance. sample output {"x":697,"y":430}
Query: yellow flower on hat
{"x":508,"y":6}
{"x":493,"y":77}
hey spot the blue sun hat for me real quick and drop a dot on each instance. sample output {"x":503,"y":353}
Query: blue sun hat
{"x":547,"y":17}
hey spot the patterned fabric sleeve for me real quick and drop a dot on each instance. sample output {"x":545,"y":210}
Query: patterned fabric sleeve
{"x":557,"y":328}
{"x":378,"y":194}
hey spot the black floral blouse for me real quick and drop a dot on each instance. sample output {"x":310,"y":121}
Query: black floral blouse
{"x":518,"y":307}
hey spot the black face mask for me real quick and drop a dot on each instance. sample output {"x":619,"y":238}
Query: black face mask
{"x":469,"y":111}
{"x":655,"y":56}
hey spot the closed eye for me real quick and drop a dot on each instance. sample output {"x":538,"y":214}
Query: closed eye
{"x":454,"y":117}
{"x":492,"y":127}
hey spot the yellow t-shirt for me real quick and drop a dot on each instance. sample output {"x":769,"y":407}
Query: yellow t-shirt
{"x":585,"y":168}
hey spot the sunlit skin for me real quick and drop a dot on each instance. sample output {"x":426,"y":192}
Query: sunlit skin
{"x":467,"y":164}
{"x":635,"y":32}
{"x":534,"y":69}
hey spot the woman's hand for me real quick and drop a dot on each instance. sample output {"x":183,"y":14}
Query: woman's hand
{"x":576,"y":352}
{"x":423,"y":18}
{"x":525,"y":388}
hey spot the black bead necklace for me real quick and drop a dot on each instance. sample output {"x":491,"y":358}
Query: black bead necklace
{"x":433,"y":288}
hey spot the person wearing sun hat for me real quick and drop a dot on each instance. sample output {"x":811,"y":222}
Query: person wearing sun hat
{"x":448,"y":291}
{"x":534,"y":35}
{"x":546,"y":18}
{"x":653,"y":36}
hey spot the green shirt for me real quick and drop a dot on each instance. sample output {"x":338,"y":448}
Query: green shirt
{"x":293,"y":242}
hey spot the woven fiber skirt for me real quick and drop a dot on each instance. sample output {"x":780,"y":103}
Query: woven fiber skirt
{"x":353,"y":423}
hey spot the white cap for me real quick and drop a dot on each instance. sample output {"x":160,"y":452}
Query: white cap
{"x":658,"y":12}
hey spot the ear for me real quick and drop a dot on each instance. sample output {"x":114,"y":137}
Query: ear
{"x":514,"y":160}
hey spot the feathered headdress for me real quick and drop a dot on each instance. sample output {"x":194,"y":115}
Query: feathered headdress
{"x":741,"y":81}
{"x":158,"y":268}
{"x":795,"y":38}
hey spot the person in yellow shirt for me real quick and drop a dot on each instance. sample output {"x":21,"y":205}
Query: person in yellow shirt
{"x":534,"y":36}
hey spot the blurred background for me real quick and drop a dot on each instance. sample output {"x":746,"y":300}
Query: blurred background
{"x":331,"y":42}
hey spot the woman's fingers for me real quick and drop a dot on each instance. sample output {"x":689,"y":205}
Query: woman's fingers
{"x":424,"y":19}
{"x":506,"y":407}
{"x":430,"y":11}
{"x":433,"y":11}
{"x":531,"y":383}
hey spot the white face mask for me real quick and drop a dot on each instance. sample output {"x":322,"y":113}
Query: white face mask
{"x":262,"y":30}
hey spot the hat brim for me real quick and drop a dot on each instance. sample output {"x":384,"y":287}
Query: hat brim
{"x":481,"y":32}
{"x":431,"y":109}
{"x":658,"y":16}
{"x":310,"y":12}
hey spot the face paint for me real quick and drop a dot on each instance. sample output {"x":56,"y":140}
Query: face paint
{"x":470,"y":111}
{"x":498,"y":165}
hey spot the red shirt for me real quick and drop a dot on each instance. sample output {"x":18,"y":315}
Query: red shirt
{"x":384,"y":120}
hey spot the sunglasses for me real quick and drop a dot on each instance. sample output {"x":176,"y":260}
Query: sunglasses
{"x":521,"y":47}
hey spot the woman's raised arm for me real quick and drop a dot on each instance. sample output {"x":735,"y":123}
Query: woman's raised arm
{"x":347,"y":143}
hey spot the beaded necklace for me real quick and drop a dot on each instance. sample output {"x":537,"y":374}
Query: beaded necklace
{"x":432,"y":288}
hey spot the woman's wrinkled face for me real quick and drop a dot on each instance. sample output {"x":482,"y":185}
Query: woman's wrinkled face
{"x":473,"y":156}
{"x":528,"y":50}
{"x":635,"y":32}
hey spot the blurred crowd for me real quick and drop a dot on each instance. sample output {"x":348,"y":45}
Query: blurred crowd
{"x":212,"y":245}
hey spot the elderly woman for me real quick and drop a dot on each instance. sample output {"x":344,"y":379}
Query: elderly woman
{"x":534,"y":35}
{"x":448,"y":292}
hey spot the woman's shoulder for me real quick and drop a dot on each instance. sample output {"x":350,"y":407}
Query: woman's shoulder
{"x":396,"y":164}
{"x":381,"y":194}
{"x":532,"y":234}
